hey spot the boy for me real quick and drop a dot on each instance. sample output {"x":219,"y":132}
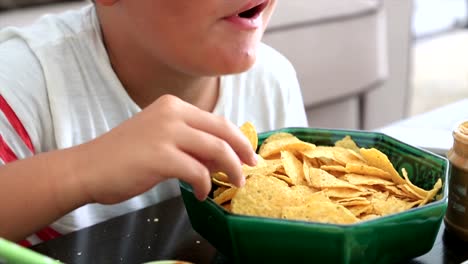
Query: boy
{"x":105,"y":107}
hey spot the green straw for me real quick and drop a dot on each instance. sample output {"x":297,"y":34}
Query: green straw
{"x":12,"y":253}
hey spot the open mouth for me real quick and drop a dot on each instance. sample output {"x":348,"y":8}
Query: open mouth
{"x":253,"y":12}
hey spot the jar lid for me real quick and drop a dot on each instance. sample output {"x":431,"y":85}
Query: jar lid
{"x":461,"y":133}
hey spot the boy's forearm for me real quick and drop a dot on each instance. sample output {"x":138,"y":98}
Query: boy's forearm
{"x":38,"y":190}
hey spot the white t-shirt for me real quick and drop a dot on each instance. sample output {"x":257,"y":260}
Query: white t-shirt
{"x":57,"y":78}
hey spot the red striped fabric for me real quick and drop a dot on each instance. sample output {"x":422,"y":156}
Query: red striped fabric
{"x":7,"y":155}
{"x":47,"y":234}
{"x":25,"y":243}
{"x":16,"y":123}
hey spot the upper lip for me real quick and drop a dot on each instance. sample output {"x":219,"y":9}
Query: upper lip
{"x":251,"y":4}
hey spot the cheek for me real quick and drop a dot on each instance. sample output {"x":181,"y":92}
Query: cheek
{"x":165,"y":37}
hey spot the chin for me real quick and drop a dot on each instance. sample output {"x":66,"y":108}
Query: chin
{"x":239,"y":68}
{"x":222,"y":62}
{"x":237,"y":64}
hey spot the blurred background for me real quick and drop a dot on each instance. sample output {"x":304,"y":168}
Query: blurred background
{"x":440,"y":54}
{"x":362,"y":64}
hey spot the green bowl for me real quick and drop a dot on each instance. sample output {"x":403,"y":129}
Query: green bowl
{"x":389,"y":239}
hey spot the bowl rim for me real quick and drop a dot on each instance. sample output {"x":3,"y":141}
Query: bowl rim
{"x":442,"y":201}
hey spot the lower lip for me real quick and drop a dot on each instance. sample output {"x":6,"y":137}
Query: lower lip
{"x":246,"y":23}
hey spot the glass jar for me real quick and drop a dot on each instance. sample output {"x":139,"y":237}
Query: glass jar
{"x":456,"y":218}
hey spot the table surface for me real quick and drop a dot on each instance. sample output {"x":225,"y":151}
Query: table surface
{"x":431,"y":130}
{"x":163,"y":231}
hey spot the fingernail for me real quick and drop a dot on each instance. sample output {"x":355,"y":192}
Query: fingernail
{"x":254,"y":159}
{"x":200,"y":197}
{"x":242,"y":182}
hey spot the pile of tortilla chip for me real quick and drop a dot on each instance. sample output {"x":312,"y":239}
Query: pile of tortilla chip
{"x":343,"y":184}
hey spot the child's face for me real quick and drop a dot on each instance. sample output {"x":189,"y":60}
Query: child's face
{"x":198,"y":37}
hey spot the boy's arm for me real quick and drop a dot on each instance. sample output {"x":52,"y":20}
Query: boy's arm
{"x":29,"y":199}
{"x":38,"y":190}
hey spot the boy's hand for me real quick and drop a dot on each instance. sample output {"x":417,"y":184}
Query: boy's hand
{"x":169,"y":139}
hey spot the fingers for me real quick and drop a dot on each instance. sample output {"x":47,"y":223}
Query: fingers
{"x":190,"y":171}
{"x":203,"y":142}
{"x":214,"y":152}
{"x":223,"y":129}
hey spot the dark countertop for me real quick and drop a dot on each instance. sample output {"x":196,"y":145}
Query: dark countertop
{"x":163,"y":231}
